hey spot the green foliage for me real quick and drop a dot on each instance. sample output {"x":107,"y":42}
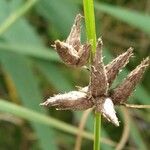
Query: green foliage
{"x":31,"y":70}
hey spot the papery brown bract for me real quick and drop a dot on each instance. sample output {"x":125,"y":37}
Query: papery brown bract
{"x":74,"y":36}
{"x":98,"y":80}
{"x":105,"y":106}
{"x":83,"y":54}
{"x":121,"y":93}
{"x":74,"y":100}
{"x":66,"y":52}
{"x":114,"y":67}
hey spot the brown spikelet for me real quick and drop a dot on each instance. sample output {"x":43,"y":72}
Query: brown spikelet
{"x":67,"y":53}
{"x":124,"y":90}
{"x":106,"y":107}
{"x":98,"y":82}
{"x":113,"y":68}
{"x":84,"y":54}
{"x":74,"y":100}
{"x":72,"y":52}
{"x":74,"y":36}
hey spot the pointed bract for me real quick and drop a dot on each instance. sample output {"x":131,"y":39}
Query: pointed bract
{"x":124,"y":90}
{"x":66,"y":52}
{"x":83,"y":54}
{"x":74,"y":100}
{"x":106,"y":108}
{"x":113,"y":68}
{"x":74,"y":36}
{"x":98,"y":80}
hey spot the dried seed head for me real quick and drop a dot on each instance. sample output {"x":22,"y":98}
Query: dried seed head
{"x":106,"y":108}
{"x":84,"y":54}
{"x":71,"y":51}
{"x":66,"y":52}
{"x":98,"y":80}
{"x":74,"y":100}
{"x":124,"y":90}
{"x":74,"y":36}
{"x":113,"y":68}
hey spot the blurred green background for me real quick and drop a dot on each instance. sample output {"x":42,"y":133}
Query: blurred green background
{"x":31,"y":71}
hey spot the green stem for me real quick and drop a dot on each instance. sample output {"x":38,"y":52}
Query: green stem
{"x":91,"y":36}
{"x":97,"y":131}
{"x":90,"y":23}
{"x":16,"y":15}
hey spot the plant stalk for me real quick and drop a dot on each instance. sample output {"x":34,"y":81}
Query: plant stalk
{"x":91,"y":37}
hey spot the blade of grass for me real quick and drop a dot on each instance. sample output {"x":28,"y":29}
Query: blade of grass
{"x":19,"y":69}
{"x":16,"y":15}
{"x":33,"y":50}
{"x":39,"y":118}
{"x":52,"y":12}
{"x":49,"y":10}
{"x":134,"y":18}
{"x":54,"y":76}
